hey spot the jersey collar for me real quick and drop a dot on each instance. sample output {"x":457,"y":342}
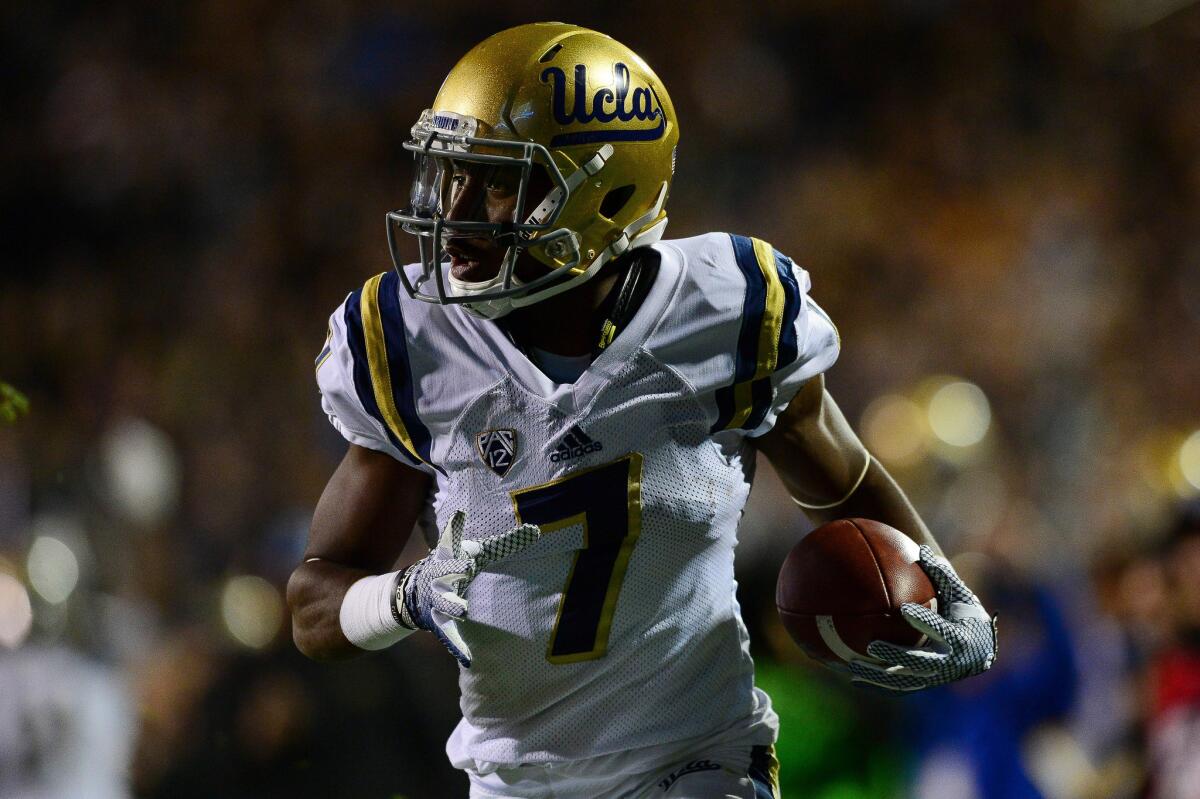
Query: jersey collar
{"x":508,"y":359}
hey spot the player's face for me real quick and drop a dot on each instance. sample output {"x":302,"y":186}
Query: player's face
{"x":487,"y":193}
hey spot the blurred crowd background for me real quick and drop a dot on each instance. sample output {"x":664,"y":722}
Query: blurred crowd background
{"x":999,"y":203}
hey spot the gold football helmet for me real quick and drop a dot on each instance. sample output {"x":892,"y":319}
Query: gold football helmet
{"x":547,"y":96}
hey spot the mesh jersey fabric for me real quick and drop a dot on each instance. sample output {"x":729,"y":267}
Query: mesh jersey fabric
{"x":618,"y":631}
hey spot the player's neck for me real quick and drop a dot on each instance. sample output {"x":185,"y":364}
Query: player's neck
{"x":565,"y":324}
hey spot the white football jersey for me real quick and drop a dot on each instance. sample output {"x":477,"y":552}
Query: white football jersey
{"x":619,"y":630}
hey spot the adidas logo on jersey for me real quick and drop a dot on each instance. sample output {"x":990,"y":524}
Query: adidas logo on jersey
{"x":575,"y":444}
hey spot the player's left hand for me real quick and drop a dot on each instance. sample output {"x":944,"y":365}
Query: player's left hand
{"x":962,"y":637}
{"x":432,"y":593}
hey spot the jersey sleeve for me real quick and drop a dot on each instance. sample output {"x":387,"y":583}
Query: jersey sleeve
{"x":783,"y":339}
{"x":364,"y":378}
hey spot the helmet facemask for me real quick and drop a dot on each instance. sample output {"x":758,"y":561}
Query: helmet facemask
{"x":444,"y":142}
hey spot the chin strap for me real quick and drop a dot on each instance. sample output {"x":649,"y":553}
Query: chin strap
{"x":555,"y":196}
{"x":639,"y":277}
{"x":496,"y":308}
{"x":625,"y":242}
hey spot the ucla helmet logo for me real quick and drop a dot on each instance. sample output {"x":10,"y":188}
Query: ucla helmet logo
{"x":607,"y":105}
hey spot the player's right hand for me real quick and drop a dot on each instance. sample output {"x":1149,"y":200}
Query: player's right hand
{"x":432,"y":593}
{"x":961,"y":635}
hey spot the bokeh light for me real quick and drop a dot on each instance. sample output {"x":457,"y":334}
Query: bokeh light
{"x":16,"y":612}
{"x":53,"y":569}
{"x":252,"y":610}
{"x":959,"y":414}
{"x":1189,"y":460}
{"x":1168,"y":461}
{"x":141,"y":468}
{"x":895,"y":431}
{"x":1156,"y":459}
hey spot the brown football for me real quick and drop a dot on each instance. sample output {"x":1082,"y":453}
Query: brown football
{"x":842,"y":586}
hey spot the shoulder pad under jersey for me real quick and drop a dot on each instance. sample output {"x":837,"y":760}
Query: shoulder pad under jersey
{"x":743,"y":330}
{"x":366,"y":379}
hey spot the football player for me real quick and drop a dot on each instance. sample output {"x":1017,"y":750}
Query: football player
{"x":581,"y":403}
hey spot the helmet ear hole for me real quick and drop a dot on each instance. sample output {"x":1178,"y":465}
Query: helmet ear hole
{"x":615,"y":200}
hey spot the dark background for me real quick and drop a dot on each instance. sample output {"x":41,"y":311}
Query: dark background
{"x":999,"y":203}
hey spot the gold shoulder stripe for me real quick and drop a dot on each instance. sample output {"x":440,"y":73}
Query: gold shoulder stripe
{"x":377,"y":360}
{"x":326,"y":350}
{"x":768,"y":336}
{"x":743,"y":403}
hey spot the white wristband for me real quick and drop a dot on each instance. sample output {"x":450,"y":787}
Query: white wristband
{"x":366,"y":616}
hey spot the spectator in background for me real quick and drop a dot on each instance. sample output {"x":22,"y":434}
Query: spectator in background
{"x":1173,"y":726}
{"x":66,"y":726}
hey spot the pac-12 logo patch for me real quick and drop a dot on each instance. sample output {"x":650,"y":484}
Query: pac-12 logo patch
{"x":498,"y":448}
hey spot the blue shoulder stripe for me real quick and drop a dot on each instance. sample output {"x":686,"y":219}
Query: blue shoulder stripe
{"x":762,"y":394}
{"x":377,"y":371}
{"x":725,"y":408}
{"x":753,"y":307}
{"x":767,"y":337}
{"x":356,"y":341}
{"x":399,"y":370}
{"x":788,"y":347}
{"x":729,"y":398}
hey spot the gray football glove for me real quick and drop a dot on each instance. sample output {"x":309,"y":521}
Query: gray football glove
{"x":432,"y":593}
{"x":962,"y":638}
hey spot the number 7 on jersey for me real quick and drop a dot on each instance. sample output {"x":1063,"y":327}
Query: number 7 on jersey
{"x":607,"y":501}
